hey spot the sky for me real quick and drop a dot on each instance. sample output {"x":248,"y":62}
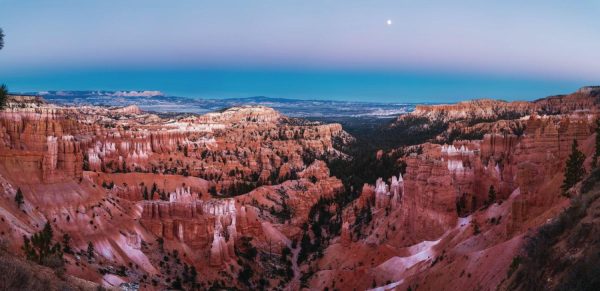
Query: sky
{"x":433,"y":51}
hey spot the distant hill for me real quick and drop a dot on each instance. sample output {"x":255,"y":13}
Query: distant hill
{"x":157,"y":101}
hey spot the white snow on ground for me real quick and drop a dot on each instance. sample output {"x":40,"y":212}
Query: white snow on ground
{"x":424,"y":246}
{"x":16,"y":223}
{"x":424,"y":250}
{"x":110,"y":280}
{"x":135,"y":255}
{"x":33,"y":216}
{"x":419,"y":252}
{"x":383,"y":112}
{"x":104,"y":248}
{"x":464,"y":221}
{"x":388,"y":286}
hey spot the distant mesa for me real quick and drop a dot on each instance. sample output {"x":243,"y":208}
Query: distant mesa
{"x":137,"y":93}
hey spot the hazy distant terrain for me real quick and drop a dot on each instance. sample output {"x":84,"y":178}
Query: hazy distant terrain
{"x":156,"y":101}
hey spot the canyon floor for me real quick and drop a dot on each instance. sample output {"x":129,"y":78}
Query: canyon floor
{"x":446,"y":197}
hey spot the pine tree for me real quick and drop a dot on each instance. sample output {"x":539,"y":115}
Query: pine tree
{"x":3,"y":90}
{"x":597,"y":153}
{"x":39,"y":247}
{"x":491,"y":195}
{"x":574,"y":171}
{"x":212,"y":190}
{"x":161,"y":244}
{"x":90,"y":250}
{"x":475,"y":226}
{"x":3,"y":95}
{"x":86,"y":163}
{"x":193,"y":275}
{"x":1,"y":38}
{"x":176,"y":284}
{"x":66,"y":243}
{"x":19,"y":198}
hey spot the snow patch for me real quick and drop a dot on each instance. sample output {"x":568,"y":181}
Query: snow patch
{"x":110,"y":280}
{"x":419,"y":252}
{"x":388,"y":286}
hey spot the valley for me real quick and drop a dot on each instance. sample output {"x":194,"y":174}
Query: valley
{"x":247,"y":197}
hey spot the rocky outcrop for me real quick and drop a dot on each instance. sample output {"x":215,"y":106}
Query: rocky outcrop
{"x":131,"y":109}
{"x":183,"y":194}
{"x":192,"y":223}
{"x":484,"y":109}
{"x":429,"y":201}
{"x":455,"y":180}
{"x":210,"y":226}
{"x":241,"y":114}
{"x":540,"y":158}
{"x":389,"y":196}
{"x":481,"y":110}
{"x":585,"y":99}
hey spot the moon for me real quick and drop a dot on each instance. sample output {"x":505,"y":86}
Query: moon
{"x":388,"y":22}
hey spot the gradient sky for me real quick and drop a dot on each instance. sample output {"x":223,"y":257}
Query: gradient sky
{"x":440,"y":50}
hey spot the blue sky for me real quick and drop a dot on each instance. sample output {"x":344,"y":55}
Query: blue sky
{"x":434,"y":50}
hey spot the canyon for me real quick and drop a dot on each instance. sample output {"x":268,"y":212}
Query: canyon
{"x":248,"y":198}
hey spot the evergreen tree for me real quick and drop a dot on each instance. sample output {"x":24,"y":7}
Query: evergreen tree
{"x":475,"y":226}
{"x":176,"y":284}
{"x":574,"y":171}
{"x":3,"y":90}
{"x":39,"y":247}
{"x":19,"y":198}
{"x":90,"y":250}
{"x":161,"y":243}
{"x":66,"y":243}
{"x":597,"y":152}
{"x":1,"y":38}
{"x":86,"y":163}
{"x":154,"y":189}
{"x":193,"y":276}
{"x":3,"y":95}
{"x":491,"y":195}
